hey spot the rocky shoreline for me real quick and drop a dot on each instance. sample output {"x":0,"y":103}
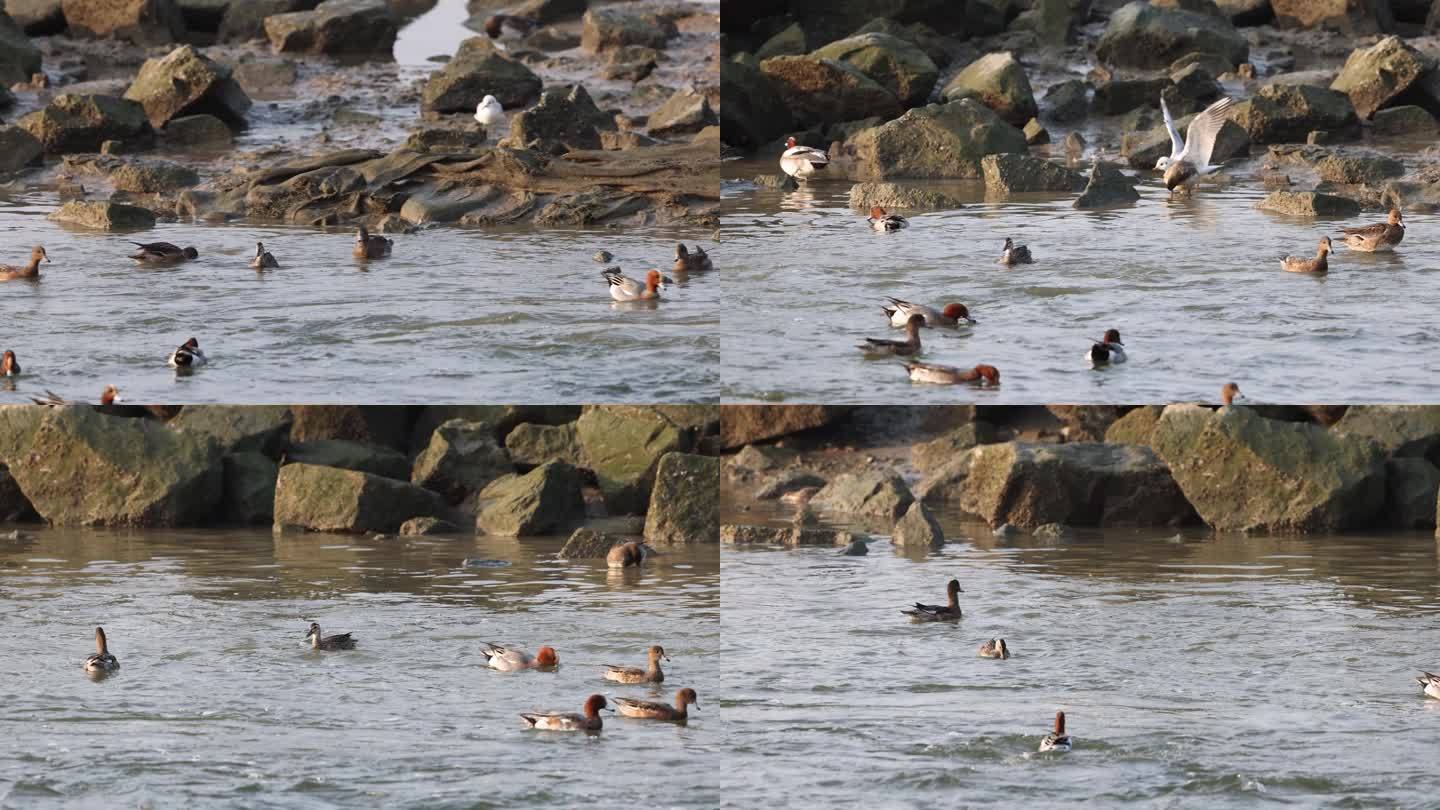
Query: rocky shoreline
{"x":484,"y":469}
{"x":1043,"y":470}
{"x":293,"y":112}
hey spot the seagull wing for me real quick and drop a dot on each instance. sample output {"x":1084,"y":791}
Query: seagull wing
{"x":1177,"y":146}
{"x":1204,"y":130}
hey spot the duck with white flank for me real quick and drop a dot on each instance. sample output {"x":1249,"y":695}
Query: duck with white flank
{"x":1189,"y":157}
{"x":339,"y":641}
{"x":802,"y":161}
{"x":188,"y":355}
{"x":623,"y":288}
{"x":910,"y":346}
{"x":952,"y":315}
{"x":994,"y":648}
{"x":264,"y":259}
{"x":1109,"y":350}
{"x":569,"y":721}
{"x":688,"y":261}
{"x":1015,"y":254}
{"x":1057,"y":740}
{"x":950,"y":375}
{"x":881,"y":221}
{"x":1300,"y":264}
{"x":370,"y":247}
{"x":101,"y":660}
{"x":162,"y":253}
{"x":1382,"y":236}
{"x":1431,"y":684}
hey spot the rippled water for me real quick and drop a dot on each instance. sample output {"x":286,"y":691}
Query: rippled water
{"x":1194,"y":286}
{"x":455,"y":315}
{"x":1194,"y":672}
{"x":219,"y":703}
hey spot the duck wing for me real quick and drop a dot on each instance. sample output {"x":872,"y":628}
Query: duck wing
{"x":1367,"y":231}
{"x":1202,"y":133}
{"x":1177,"y":144}
{"x":157,"y":248}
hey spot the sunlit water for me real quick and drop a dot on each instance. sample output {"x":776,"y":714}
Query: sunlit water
{"x":1194,"y":286}
{"x":219,"y":703}
{"x":1194,"y":671}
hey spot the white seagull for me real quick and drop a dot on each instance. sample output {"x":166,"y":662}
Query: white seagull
{"x":802,"y":161}
{"x":1190,"y":156}
{"x":489,"y":112}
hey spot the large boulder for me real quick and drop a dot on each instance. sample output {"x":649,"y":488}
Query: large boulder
{"x":1010,"y":173}
{"x":879,"y":493}
{"x":85,"y":468}
{"x":186,"y":82}
{"x":565,"y":115}
{"x":19,"y":58}
{"x":685,"y":501}
{"x":80,"y":123}
{"x":998,"y":81}
{"x":238,"y":428}
{"x":250,"y":489}
{"x":144,"y":22}
{"x":479,"y":69}
{"x":14,"y":506}
{"x":104,"y":215}
{"x":1401,"y":430}
{"x":531,"y":445}
{"x":1411,"y":486}
{"x":1346,"y":16}
{"x":1373,"y":76}
{"x":610,"y":27}
{"x":1135,"y":427}
{"x":364,"y":28}
{"x":686,"y":112}
{"x":1281,"y":113}
{"x":1148,"y":37}
{"x":546,"y":500}
{"x":917,"y":528}
{"x":827,"y":91}
{"x":623,"y":445}
{"x":938,"y":141}
{"x":1117,"y":96}
{"x":150,"y":176}
{"x":931,"y":455}
{"x":36,"y":17}
{"x":1068,"y":101}
{"x":753,"y":113}
{"x":330,"y":499}
{"x":1243,"y":472}
{"x":897,"y":65}
{"x":462,"y":458}
{"x":245,"y":20}
{"x":348,"y":454}
{"x":18,"y":149}
{"x":1078,"y":484}
{"x":743,"y":424}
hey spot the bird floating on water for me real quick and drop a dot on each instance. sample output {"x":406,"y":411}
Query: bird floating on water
{"x":951,"y":375}
{"x":31,"y":270}
{"x":881,"y":221}
{"x":938,"y":613}
{"x":1015,"y":254}
{"x":1057,"y":740}
{"x":1109,"y":350}
{"x":188,"y":355}
{"x":264,"y":259}
{"x":101,"y":660}
{"x":1382,"y":236}
{"x":1319,"y":264}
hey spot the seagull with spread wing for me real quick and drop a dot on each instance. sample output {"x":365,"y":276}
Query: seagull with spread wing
{"x":1190,"y":156}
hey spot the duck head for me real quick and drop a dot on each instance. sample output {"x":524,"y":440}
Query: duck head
{"x":1059,"y":724}
{"x":953,"y":589}
{"x":594,"y":704}
{"x":362,"y":234}
{"x":876,"y":212}
{"x":1324,"y":247}
{"x":39,"y":253}
{"x":957,"y":312}
{"x":790,"y":142}
{"x":990,"y":375}
{"x":1395,"y":217}
{"x":1230,"y":392}
{"x":313,"y":632}
{"x":657,"y":652}
{"x":8,"y":364}
{"x":191,"y":253}
{"x":547,"y":657}
{"x":687,"y":697}
{"x":110,"y":395}
{"x":1113,"y":336}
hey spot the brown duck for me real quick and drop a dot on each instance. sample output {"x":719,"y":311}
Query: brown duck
{"x":1319,"y":264}
{"x":910,"y":346}
{"x":1381,"y":236}
{"x":10,"y":272}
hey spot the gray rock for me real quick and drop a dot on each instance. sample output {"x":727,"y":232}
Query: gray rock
{"x":864,"y":196}
{"x":1035,"y":132}
{"x":615,"y":27}
{"x":872,"y":492}
{"x":1143,"y":36}
{"x":740,"y":426}
{"x":143,"y":22}
{"x":238,"y":429}
{"x":479,"y":69}
{"x":1287,"y":113}
{"x":18,"y":149}
{"x":565,"y":115}
{"x":345,"y":454}
{"x":827,"y":91}
{"x":1308,"y":204}
{"x":787,"y":482}
{"x":998,"y":81}
{"x":531,"y":445}
{"x":423,"y":526}
{"x":1411,"y":485}
{"x":897,"y":65}
{"x":1013,"y":174}
{"x":250,"y":489}
{"x":1338,"y":15}
{"x":753,"y":113}
{"x":330,"y":499}
{"x":917,"y":528}
{"x":937,"y":141}
{"x":461,"y":459}
{"x":1374,"y":76}
{"x":339,"y":27}
{"x":36,"y":17}
{"x":685,"y":501}
{"x":19,"y":58}
{"x":1404,"y":120}
{"x":1052,"y":531}
{"x":186,"y":82}
{"x":588,"y":544}
{"x":550,"y":39}
{"x":75,"y":123}
{"x":794,"y":536}
{"x":1358,"y":168}
{"x":936,"y":453}
{"x":788,"y":41}
{"x":1401,"y":430}
{"x":245,"y":20}
{"x":1106,"y":187}
{"x":148,"y":176}
{"x":946,"y":483}
{"x":1135,"y":427}
{"x":1118,"y":96}
{"x":623,"y":446}
{"x":198,"y":130}
{"x":104,"y":216}
{"x":1068,"y":101}
{"x":687,"y":111}
{"x":545,"y":500}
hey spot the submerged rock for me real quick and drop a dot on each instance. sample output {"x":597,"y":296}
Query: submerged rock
{"x":741,"y":534}
{"x":479,"y":69}
{"x":104,"y":216}
{"x":685,"y":500}
{"x":80,"y":123}
{"x":545,"y":500}
{"x":933,"y":142}
{"x":1012,"y":174}
{"x":864,"y":196}
{"x":588,"y":544}
{"x":1107,"y":186}
{"x":1308,"y":204}
{"x":329,"y":499}
{"x":337,"y":27}
{"x":186,"y":82}
{"x":917,"y":528}
{"x":198,"y":130}
{"x":1068,"y":101}
{"x":19,"y":58}
{"x":423,"y":526}
{"x":872,"y":492}
{"x":1143,"y":36}
{"x":148,"y":176}
{"x":144,"y":22}
{"x":998,"y":81}
{"x":827,"y":91}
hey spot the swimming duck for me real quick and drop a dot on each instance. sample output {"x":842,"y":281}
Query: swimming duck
{"x":497,"y":25}
{"x":1229,"y":392}
{"x":370,"y":247}
{"x":950,"y":375}
{"x":1319,"y":264}
{"x":650,"y":710}
{"x":568,"y":721}
{"x":1431,"y":684}
{"x":1015,"y":254}
{"x":650,"y":674}
{"x":951,"y":315}
{"x":994,"y":648}
{"x":162,"y":253}
{"x":108,"y":397}
{"x":1189,"y":158}
{"x":802,"y":161}
{"x":9,"y":366}
{"x":489,"y":112}
{"x":264,"y":259}
{"x":509,"y":659}
{"x":10,"y":272}
{"x":188,"y":355}
{"x":627,"y":555}
{"x":623,"y":288}
{"x":881,"y":221}
{"x":688,"y":262}
{"x":939,"y":613}
{"x":101,"y":660}
{"x":1381,"y":236}
{"x":341,"y":641}
{"x":1057,"y":740}
{"x":908,"y":347}
{"x":1108,"y":350}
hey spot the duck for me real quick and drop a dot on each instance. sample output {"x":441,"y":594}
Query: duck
{"x":876,"y":347}
{"x":1382,"y":236}
{"x":994,"y":648}
{"x":1431,"y":683}
{"x":1109,"y":350}
{"x":162,"y":253}
{"x":370,"y":247}
{"x":108,"y":398}
{"x":939,"y":613}
{"x":687,"y":261}
{"x":1319,"y":264}
{"x":264,"y":259}
{"x":651,"y":674}
{"x":650,"y":710}
{"x":1229,"y":392}
{"x":628,"y":555}
{"x":1015,"y":254}
{"x":188,"y":355}
{"x":101,"y":660}
{"x":498,"y":25}
{"x":31,"y":270}
{"x":950,"y":375}
{"x":1189,"y":157}
{"x":509,"y":659}
{"x":489,"y":112}
{"x":623,"y":288}
{"x":954,"y":314}
{"x":9,"y":366}
{"x":881,"y":221}
{"x":340,"y":641}
{"x":568,"y":721}
{"x":802,"y":161}
{"x":1056,"y":740}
